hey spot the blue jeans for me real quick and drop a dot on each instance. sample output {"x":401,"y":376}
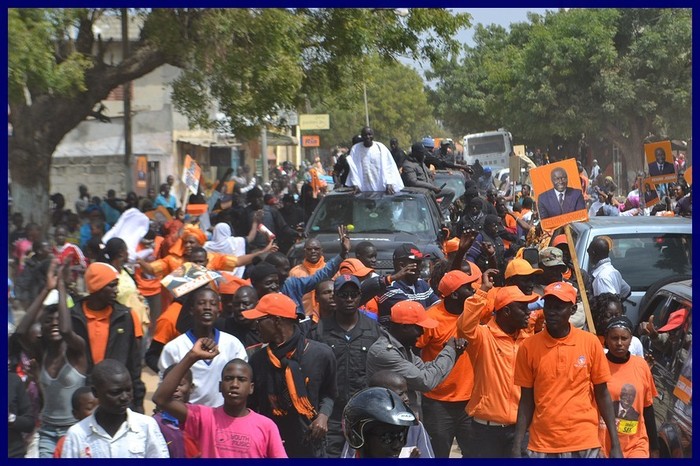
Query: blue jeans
{"x":445,"y":421}
{"x":48,"y":437}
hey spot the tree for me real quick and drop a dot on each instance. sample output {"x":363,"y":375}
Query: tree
{"x":618,"y":74}
{"x":249,"y":62}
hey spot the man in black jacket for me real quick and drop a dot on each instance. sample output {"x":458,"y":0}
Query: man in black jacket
{"x":415,"y":173}
{"x":349,"y":333}
{"x":111,"y":331}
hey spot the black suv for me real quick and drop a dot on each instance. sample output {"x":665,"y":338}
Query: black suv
{"x":387,"y":220}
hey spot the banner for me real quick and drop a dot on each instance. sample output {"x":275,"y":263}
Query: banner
{"x":650,"y":195}
{"x":188,"y":277}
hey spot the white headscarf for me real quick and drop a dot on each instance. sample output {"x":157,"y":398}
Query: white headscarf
{"x":223,"y":243}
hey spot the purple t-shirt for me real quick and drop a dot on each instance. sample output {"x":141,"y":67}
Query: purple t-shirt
{"x":219,"y":435}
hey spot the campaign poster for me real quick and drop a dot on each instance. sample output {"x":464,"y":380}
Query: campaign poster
{"x":659,"y":159}
{"x":560,"y":198}
{"x":649,"y":193}
{"x":191,"y":172}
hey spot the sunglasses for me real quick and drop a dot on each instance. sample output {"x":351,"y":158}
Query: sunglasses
{"x":262,"y":319}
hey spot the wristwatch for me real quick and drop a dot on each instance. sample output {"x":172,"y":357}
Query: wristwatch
{"x":11,"y":418}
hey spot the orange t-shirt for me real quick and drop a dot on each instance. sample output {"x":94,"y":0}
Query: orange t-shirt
{"x":458,"y":384}
{"x":631,"y":430}
{"x":511,"y":225}
{"x":166,"y":329}
{"x":495,"y":396}
{"x":560,"y":371}
{"x":98,"y":330}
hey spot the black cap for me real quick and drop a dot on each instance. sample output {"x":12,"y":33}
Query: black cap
{"x":409,"y":251}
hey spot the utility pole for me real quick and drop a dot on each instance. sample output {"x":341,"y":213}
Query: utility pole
{"x":127,"y":103}
{"x":263,"y":144}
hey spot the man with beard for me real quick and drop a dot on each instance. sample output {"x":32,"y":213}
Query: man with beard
{"x":96,"y":435}
{"x":349,"y":333}
{"x":372,"y":168}
{"x":295,"y":378}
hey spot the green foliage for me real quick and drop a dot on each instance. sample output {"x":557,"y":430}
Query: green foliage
{"x":615,"y":73}
{"x":35,"y":60}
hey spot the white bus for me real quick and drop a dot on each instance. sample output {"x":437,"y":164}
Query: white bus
{"x":491,"y":148}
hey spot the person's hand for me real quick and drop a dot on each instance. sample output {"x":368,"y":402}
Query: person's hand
{"x":648,"y":328}
{"x":459,"y":344}
{"x":487,"y":279}
{"x":415,"y":453}
{"x":409,"y":269}
{"x":436,"y":190}
{"x":318,"y":428}
{"x":344,"y":241}
{"x":205,"y":348}
{"x":390,"y":189}
{"x":488,"y":248}
{"x":258,"y":216}
{"x":355,"y":189}
{"x":271,"y":247}
{"x":467,"y":239}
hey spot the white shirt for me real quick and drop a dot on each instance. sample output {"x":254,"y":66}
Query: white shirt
{"x":373,"y":168}
{"x":595,"y":171}
{"x":138,"y":437}
{"x":206,"y":375}
{"x":606,"y":279}
{"x":595,"y":207}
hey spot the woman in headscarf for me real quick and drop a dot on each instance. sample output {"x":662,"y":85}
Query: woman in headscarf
{"x":632,"y":391}
{"x":223,"y":243}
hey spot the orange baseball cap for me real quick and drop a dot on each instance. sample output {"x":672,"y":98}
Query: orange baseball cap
{"x":98,"y":275}
{"x":354,"y":267}
{"x":559,"y":239}
{"x":454,"y":279}
{"x":411,"y":312}
{"x":675,"y":320}
{"x":511,"y":294}
{"x":273,"y":304}
{"x":562,"y":290}
{"x":520,"y":267}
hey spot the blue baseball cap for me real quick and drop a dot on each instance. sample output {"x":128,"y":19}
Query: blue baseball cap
{"x":344,"y":280}
{"x":428,"y":142}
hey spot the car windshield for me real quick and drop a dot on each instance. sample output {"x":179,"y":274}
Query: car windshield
{"x":645,"y":258}
{"x":378,"y":214}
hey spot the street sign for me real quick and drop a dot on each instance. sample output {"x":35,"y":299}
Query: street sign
{"x":310,"y":140}
{"x":314,"y":121}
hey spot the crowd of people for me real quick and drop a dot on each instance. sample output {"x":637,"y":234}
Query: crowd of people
{"x":257,"y":358}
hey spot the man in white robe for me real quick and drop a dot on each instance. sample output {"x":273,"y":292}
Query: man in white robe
{"x":372,"y":168}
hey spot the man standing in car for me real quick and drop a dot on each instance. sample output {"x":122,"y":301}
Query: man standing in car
{"x":372,"y":168}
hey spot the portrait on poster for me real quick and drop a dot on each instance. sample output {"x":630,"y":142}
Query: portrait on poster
{"x":561,"y":199}
{"x":651,"y":196}
{"x":659,"y":159}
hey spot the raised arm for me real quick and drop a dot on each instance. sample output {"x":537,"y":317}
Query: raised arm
{"x":76,"y":353}
{"x":203,"y":349}
{"x":29,"y":342}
